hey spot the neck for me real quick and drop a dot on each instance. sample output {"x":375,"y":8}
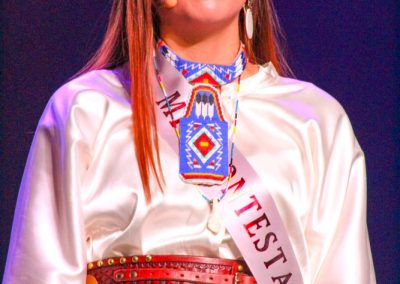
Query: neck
{"x":216,"y":46}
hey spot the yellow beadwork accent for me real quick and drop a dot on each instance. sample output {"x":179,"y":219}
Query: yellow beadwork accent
{"x":148,"y":258}
{"x":204,"y":144}
{"x":135,"y":259}
{"x":90,"y":265}
{"x":110,"y":261}
{"x":133,"y":274}
{"x":240,"y":268}
{"x":122,"y":260}
{"x":99,"y":263}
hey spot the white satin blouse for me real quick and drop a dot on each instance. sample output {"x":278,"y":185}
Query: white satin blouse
{"x":81,"y":196}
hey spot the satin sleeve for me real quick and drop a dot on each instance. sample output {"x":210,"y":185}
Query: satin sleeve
{"x":48,"y":240}
{"x":336,"y":230}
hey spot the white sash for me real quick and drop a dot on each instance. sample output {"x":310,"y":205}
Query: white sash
{"x":248,"y":210}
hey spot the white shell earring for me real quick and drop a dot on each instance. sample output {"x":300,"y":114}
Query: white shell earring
{"x":249,"y":24}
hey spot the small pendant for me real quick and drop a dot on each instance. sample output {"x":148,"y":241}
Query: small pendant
{"x":214,"y":222}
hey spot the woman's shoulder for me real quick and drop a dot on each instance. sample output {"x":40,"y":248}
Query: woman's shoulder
{"x":300,"y":103}
{"x":302,"y":98}
{"x":92,"y":93}
{"x":101,"y":83}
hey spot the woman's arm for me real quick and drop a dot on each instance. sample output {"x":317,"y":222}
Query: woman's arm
{"x":48,"y":240}
{"x":336,"y":230}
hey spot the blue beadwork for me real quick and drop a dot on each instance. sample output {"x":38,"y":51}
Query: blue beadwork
{"x":203,"y":140}
{"x":222,"y":74}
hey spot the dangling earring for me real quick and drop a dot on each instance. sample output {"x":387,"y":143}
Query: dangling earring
{"x":248,"y":15}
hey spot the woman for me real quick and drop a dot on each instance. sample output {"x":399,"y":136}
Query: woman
{"x":180,"y":153}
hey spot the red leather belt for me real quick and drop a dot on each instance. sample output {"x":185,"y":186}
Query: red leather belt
{"x":168,"y":269}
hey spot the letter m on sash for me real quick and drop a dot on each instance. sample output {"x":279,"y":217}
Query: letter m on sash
{"x":175,"y":106}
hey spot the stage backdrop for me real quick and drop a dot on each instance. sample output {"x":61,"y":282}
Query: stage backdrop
{"x":347,"y":48}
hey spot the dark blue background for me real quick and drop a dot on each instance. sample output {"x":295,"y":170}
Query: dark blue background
{"x":347,"y":48}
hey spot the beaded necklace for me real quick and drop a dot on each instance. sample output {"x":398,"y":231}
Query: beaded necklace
{"x":197,"y":74}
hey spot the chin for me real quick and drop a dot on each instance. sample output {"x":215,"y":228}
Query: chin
{"x":208,"y":10}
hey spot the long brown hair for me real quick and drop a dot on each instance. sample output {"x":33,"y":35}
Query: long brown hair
{"x":130,"y":35}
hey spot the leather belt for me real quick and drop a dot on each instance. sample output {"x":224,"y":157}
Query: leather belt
{"x":168,"y":269}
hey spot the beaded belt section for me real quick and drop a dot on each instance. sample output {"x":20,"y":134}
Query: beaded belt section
{"x":168,"y":269}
